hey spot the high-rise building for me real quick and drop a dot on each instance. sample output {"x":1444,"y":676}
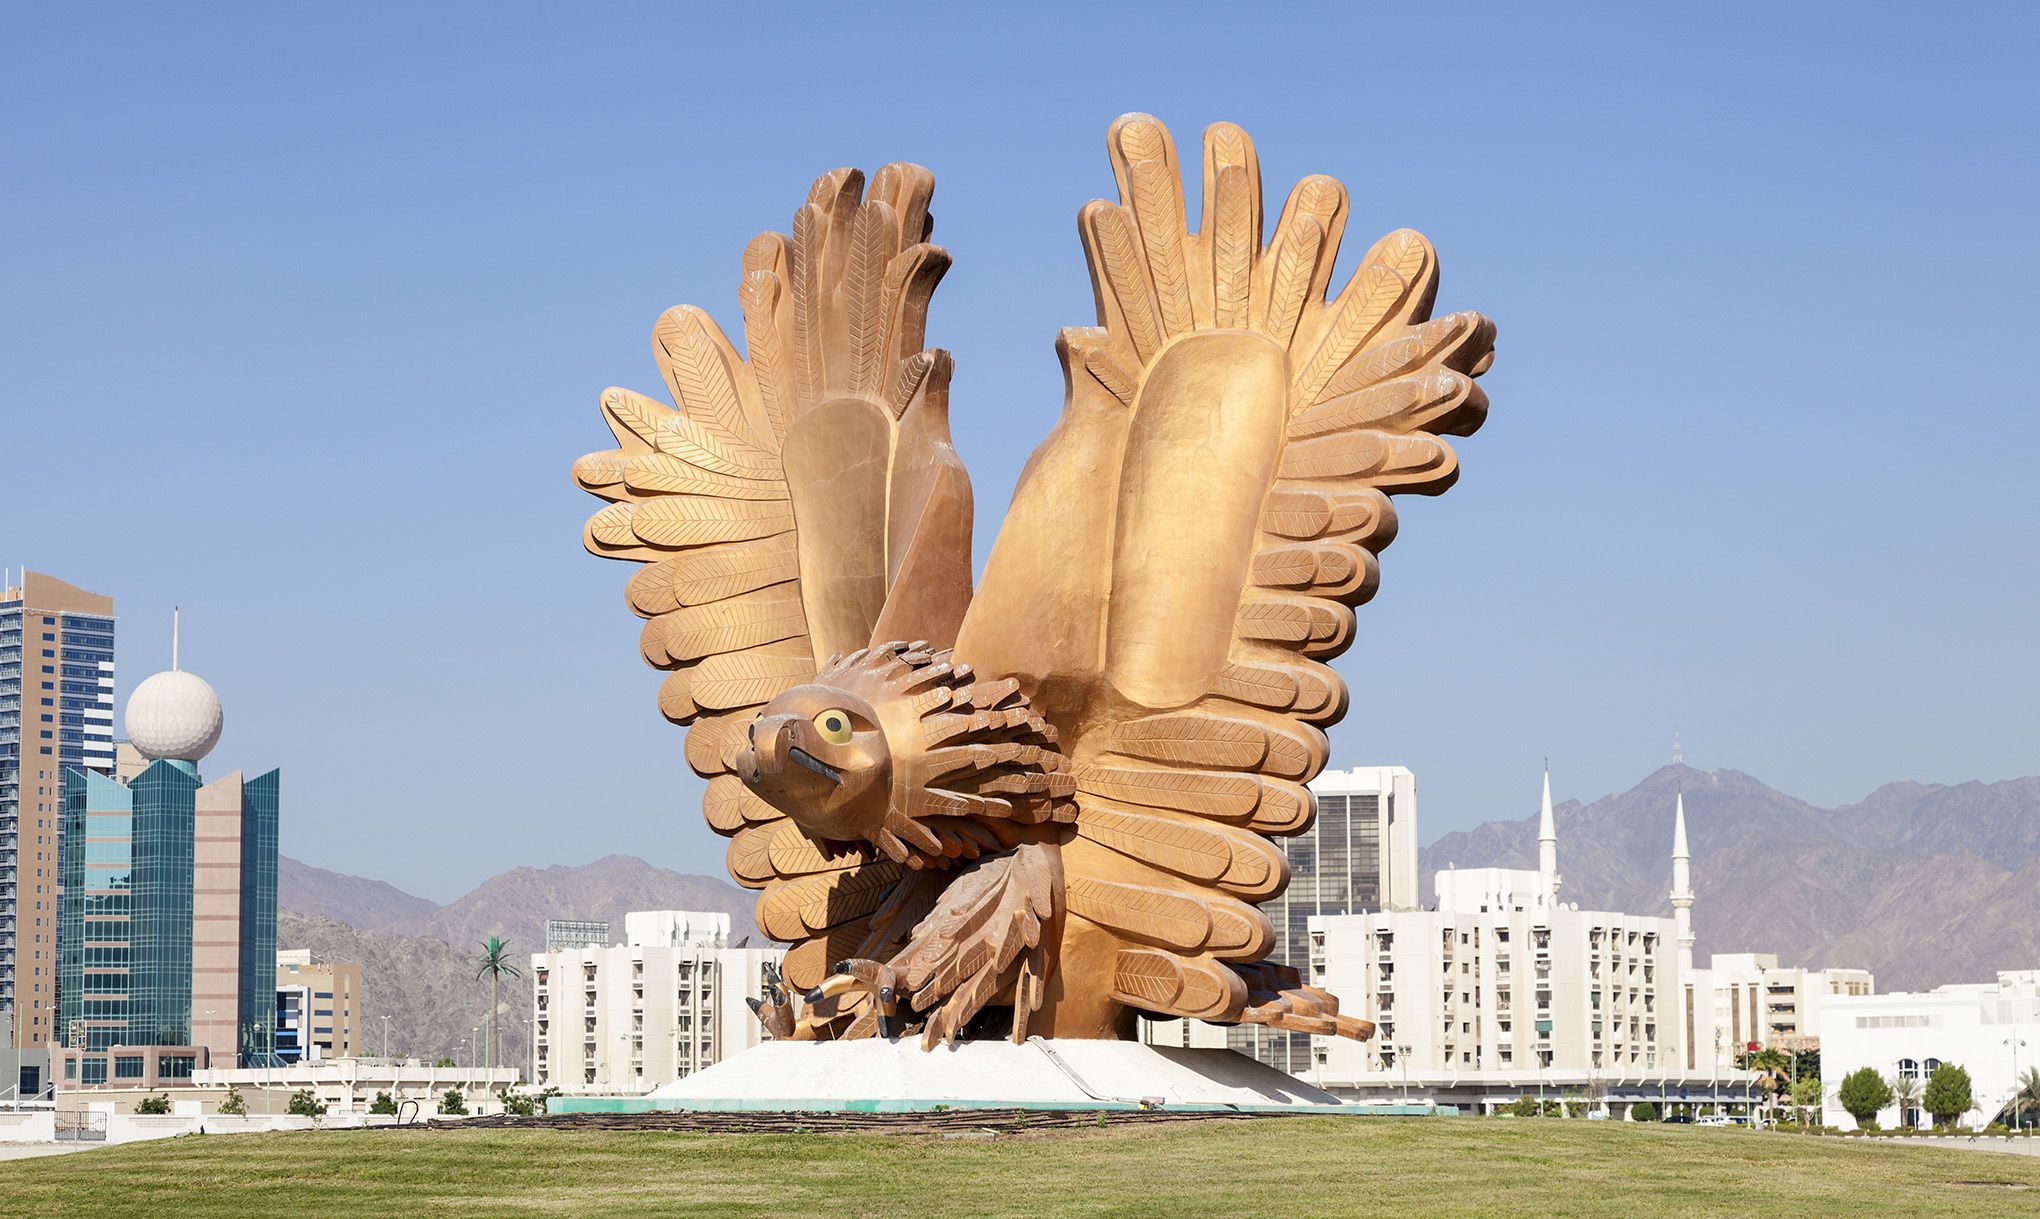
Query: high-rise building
{"x":1359,"y":854}
{"x":169,"y":903}
{"x":665,"y":1003}
{"x":318,"y":1006}
{"x":56,"y":716}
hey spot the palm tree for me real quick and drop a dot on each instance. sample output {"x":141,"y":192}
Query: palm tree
{"x":1776,"y":1069}
{"x":494,"y":963}
{"x":1905,"y":1090}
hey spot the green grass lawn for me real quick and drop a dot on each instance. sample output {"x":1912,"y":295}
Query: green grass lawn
{"x":1292,"y":1167}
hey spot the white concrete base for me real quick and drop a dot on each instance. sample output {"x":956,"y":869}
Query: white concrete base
{"x":882,"y":1075}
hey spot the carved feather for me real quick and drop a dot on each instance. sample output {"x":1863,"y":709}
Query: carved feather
{"x":1195,"y":739}
{"x":692,"y":520}
{"x":1201,"y":793}
{"x":871,"y":235}
{"x":1235,"y":239}
{"x":759,"y":298}
{"x":793,"y":908}
{"x":1158,"y":207}
{"x":729,"y":806}
{"x":1124,"y":276}
{"x":730,"y":625}
{"x":1146,"y":913}
{"x":696,"y":445}
{"x":1361,"y":310}
{"x":752,"y":676}
{"x":1296,"y":258}
{"x":712,"y":573}
{"x":698,"y":376}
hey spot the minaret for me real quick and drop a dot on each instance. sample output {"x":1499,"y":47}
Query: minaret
{"x":1682,"y":888}
{"x":1547,"y":843}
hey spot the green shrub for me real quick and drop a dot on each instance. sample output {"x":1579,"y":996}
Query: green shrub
{"x":233,"y":1104}
{"x":305,"y":1103}
{"x":383,"y":1103}
{"x":1863,"y":1093}
{"x":159,"y":1105}
{"x":1645,"y":1112}
{"x":1947,"y":1095}
{"x":1525,"y":1106}
{"x":1550,"y":1108}
{"x":453,"y":1102}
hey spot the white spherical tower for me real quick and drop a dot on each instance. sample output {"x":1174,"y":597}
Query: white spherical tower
{"x":174,"y":715}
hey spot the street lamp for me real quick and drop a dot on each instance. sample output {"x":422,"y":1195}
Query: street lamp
{"x":2018,"y":1084}
{"x":1402,"y":1056}
{"x":386,"y":1038}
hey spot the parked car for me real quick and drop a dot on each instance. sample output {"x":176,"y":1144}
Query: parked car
{"x":1715,"y":1120}
{"x":1678,"y":1119}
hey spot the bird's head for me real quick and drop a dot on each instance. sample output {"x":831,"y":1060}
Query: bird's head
{"x":818,"y":753}
{"x":895,"y":746}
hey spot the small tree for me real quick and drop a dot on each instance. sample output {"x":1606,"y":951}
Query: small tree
{"x":453,"y":1102}
{"x":1550,"y":1108}
{"x":1525,"y":1106}
{"x":1645,"y":1112}
{"x":1807,"y":1093}
{"x":158,"y":1105}
{"x":233,"y":1104}
{"x":1947,"y":1094}
{"x":384,"y":1104}
{"x":1864,"y":1094}
{"x":305,"y":1103}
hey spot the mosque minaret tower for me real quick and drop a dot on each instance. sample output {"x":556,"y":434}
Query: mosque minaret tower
{"x":1682,"y":887}
{"x":1547,"y":844}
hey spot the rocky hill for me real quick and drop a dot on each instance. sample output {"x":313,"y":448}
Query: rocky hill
{"x":1922,"y":883}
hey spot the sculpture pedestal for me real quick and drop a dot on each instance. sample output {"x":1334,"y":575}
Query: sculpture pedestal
{"x":878,"y":1076}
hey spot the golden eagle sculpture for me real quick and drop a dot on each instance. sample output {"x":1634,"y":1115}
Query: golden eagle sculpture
{"x":1053,"y":805}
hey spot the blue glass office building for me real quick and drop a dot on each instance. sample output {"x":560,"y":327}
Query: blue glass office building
{"x":169,"y":919}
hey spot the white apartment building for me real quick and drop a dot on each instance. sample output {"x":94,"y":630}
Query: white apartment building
{"x":1505,"y":990}
{"x":1746,"y":1000}
{"x":1990,"y":1030}
{"x":665,"y":1003}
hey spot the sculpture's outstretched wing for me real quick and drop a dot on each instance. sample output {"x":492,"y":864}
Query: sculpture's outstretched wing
{"x":798,"y":503}
{"x":1183,"y":553}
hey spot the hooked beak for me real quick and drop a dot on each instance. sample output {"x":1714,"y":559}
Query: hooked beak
{"x":815,"y":764}
{"x":771,"y":747}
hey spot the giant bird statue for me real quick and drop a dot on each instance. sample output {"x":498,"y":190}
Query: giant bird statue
{"x":1052,"y":805}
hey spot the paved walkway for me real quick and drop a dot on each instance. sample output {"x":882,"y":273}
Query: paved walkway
{"x":1999,"y":1144}
{"x":29,"y":1151}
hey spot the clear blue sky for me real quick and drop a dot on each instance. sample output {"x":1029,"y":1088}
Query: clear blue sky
{"x":303,"y":316}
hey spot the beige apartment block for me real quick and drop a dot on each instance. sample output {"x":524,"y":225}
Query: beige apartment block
{"x":216,"y":918}
{"x":326,"y":998}
{"x":43,"y":694}
{"x":1747,"y":998}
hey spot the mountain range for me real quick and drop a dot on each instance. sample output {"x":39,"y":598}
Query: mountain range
{"x":1922,"y":884}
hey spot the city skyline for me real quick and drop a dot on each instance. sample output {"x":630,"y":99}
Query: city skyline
{"x":1685,"y":512}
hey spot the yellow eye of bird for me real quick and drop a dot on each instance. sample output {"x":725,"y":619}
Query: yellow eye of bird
{"x":834,"y":726}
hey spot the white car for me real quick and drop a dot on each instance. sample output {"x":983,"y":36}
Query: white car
{"x":1715,"y":1120}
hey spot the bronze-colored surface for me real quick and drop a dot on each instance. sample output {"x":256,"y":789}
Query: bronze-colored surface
{"x":1068,"y":816}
